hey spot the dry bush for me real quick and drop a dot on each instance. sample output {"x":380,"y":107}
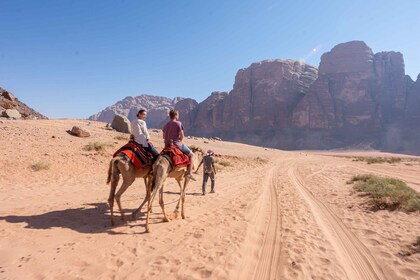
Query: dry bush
{"x":40,"y":166}
{"x":387,"y":193}
{"x":196,"y":149}
{"x":95,"y":146}
{"x":371,"y":160}
{"x":122,"y":137}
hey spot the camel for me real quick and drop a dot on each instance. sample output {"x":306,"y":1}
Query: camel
{"x":122,"y":165}
{"x":163,"y":169}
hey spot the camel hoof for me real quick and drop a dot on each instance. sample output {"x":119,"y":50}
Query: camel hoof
{"x":166,"y":220}
{"x":147,"y":230}
{"x":183,"y":216}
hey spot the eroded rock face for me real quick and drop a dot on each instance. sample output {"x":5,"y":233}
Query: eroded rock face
{"x":9,"y":102}
{"x":157,"y":107}
{"x":263,"y":97}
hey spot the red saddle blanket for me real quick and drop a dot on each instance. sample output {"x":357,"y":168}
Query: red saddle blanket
{"x":178,"y":158}
{"x":136,"y":153}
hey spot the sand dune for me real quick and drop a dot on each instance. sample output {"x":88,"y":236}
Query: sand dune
{"x":275,"y":215}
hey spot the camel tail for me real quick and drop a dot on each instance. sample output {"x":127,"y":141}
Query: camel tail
{"x":111,"y":170}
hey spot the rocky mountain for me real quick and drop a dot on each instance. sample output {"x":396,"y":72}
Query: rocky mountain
{"x":157,"y":107}
{"x":11,"y":107}
{"x":357,"y":96}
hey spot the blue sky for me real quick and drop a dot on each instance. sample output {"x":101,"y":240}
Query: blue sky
{"x":71,"y":59}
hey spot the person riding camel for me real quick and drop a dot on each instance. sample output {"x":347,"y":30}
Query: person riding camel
{"x":141,"y":135}
{"x":173,"y":133}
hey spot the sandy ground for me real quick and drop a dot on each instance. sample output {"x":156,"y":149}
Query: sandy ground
{"x":275,"y":214}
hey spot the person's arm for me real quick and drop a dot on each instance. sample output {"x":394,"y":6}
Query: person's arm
{"x":214,"y":169}
{"x":144,"y":130}
{"x":181,"y":135}
{"x":201,"y":162}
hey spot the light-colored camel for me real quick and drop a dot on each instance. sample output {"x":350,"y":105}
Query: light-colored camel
{"x":122,"y":165}
{"x":163,"y":169}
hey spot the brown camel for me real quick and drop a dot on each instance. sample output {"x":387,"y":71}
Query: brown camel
{"x":163,"y":169}
{"x":122,"y":165}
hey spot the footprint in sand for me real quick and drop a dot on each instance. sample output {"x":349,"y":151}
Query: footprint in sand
{"x":160,"y":260}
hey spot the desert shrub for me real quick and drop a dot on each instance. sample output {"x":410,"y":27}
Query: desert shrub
{"x":95,"y":146}
{"x":196,"y":149}
{"x":387,"y":193}
{"x":121,"y":137}
{"x":371,"y":160}
{"x":40,"y":166}
{"x":224,"y":163}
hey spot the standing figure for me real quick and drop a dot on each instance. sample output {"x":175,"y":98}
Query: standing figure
{"x":209,"y":170}
{"x":141,"y":135}
{"x":173,"y":133}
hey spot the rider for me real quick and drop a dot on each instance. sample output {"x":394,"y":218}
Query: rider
{"x":141,"y":135}
{"x":173,"y":132}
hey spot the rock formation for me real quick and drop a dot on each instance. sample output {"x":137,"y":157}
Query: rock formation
{"x":157,"y":107}
{"x":11,"y":107}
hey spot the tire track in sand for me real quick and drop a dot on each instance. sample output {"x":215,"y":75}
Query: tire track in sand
{"x":355,"y":258}
{"x":269,"y":258}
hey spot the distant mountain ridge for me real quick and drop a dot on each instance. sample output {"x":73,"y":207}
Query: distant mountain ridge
{"x":157,"y":107}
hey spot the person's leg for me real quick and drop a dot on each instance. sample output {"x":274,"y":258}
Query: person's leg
{"x":152,"y":150}
{"x":205,"y":178}
{"x":190,"y":154}
{"x":212,"y":182}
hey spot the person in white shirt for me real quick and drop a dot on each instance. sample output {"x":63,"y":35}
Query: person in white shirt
{"x":140,"y":133}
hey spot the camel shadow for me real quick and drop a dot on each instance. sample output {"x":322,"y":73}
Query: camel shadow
{"x":90,"y":218}
{"x":177,"y":193}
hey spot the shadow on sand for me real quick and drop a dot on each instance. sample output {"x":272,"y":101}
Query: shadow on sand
{"x":92,"y":218}
{"x":191,"y":193}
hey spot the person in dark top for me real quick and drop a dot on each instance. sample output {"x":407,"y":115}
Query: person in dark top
{"x":173,"y":133}
{"x":209,"y":170}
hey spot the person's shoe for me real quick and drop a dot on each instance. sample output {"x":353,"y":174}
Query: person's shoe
{"x":212,"y":191}
{"x":191,"y":177}
{"x":204,"y":193}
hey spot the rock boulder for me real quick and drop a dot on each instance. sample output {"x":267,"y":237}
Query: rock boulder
{"x":121,"y":124}
{"x":80,"y":131}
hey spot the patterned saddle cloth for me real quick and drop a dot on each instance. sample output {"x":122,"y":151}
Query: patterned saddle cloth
{"x":136,"y":153}
{"x":178,"y":158}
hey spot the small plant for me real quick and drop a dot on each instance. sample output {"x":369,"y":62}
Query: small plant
{"x":95,"y":146}
{"x":121,"y":137}
{"x":40,"y":166}
{"x":387,"y":193}
{"x":224,"y":163}
{"x":371,"y":160}
{"x":196,"y":149}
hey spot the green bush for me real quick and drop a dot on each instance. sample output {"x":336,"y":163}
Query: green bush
{"x":387,"y":193}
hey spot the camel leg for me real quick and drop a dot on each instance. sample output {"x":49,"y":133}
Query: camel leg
{"x":149,"y":206}
{"x":183,"y":197}
{"x":179,"y":199}
{"x":146,"y":198}
{"x":126,"y":183}
{"x":162,"y":205}
{"x":111,"y":200}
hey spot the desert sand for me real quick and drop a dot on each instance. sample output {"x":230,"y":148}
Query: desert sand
{"x":275,"y":214}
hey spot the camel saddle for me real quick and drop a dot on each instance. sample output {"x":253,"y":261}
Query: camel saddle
{"x":177,"y":157}
{"x":136,"y":154}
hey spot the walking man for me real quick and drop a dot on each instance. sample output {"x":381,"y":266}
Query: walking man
{"x":209,"y":170}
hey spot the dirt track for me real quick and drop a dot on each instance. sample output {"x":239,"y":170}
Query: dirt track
{"x":275,"y":215}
